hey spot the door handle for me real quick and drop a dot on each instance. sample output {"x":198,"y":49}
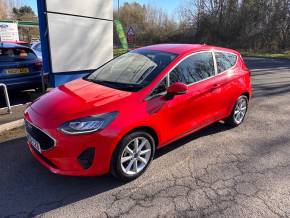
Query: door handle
{"x":214,"y":87}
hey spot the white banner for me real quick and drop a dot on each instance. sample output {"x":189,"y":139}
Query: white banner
{"x":91,"y":8}
{"x":80,"y":34}
{"x":9,"y":32}
{"x":78,"y":43}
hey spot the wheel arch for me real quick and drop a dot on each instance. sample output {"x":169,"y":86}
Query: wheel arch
{"x":147,"y":129}
{"x":247,"y":94}
{"x":232,"y":105}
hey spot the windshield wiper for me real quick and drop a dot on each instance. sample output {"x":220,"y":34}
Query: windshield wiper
{"x":118,"y":85}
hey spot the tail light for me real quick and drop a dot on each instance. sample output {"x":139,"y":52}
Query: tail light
{"x":38,"y":64}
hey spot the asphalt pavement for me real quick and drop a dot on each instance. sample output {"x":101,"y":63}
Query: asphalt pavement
{"x":216,"y":172}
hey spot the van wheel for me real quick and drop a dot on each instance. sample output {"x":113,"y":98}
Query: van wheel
{"x":133,"y":155}
{"x":239,"y":112}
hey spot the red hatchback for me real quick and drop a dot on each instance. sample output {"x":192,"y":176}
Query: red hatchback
{"x":114,"y":119}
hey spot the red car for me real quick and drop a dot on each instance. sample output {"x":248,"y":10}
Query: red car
{"x":114,"y":119}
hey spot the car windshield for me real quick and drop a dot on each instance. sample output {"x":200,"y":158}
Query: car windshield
{"x":16,"y":54}
{"x":132,"y":71}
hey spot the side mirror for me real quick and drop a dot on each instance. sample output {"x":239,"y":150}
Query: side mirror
{"x":176,"y":89}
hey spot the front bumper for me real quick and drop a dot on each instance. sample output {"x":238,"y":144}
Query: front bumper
{"x":63,"y":159}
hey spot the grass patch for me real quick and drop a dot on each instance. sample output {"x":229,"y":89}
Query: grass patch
{"x":267,"y":54}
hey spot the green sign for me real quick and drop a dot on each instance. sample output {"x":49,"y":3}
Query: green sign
{"x":121,"y":34}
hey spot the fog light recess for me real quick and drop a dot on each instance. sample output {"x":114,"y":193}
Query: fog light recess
{"x":86,"y":158}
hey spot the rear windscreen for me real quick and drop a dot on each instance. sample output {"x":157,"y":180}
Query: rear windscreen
{"x":16,"y":54}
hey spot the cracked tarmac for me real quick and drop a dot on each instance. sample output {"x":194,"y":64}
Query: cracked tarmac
{"x":216,"y":172}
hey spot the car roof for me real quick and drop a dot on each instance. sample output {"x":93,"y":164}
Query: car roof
{"x":185,"y":48}
{"x":10,"y":45}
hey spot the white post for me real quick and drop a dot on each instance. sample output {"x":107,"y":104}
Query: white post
{"x":6,"y":97}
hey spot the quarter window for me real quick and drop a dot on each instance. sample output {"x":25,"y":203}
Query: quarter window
{"x":225,"y":61}
{"x":161,"y":88}
{"x":193,"y":69}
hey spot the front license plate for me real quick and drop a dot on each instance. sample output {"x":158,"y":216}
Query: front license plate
{"x":17,"y":70}
{"x":34,"y":143}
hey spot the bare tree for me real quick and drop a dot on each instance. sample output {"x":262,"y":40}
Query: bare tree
{"x":241,"y":24}
{"x":249,"y":24}
{"x":6,"y":7}
{"x":4,"y":10}
{"x":152,"y":24}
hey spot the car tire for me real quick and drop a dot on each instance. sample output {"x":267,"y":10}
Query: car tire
{"x":128,"y":163}
{"x":239,"y":112}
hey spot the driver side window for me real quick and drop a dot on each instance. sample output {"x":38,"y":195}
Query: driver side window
{"x":195,"y":68}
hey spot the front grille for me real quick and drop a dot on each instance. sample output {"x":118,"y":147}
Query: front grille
{"x":45,"y":141}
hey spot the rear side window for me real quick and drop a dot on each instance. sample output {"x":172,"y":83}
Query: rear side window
{"x":193,"y":69}
{"x":16,"y":54}
{"x":225,"y":61}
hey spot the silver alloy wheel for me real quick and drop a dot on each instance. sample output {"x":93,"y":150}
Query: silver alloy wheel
{"x":240,"y":110}
{"x":136,"y":156}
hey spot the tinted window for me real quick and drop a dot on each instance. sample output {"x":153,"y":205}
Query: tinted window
{"x":135,"y":69}
{"x":160,"y":88}
{"x":193,"y":69}
{"x":225,"y":61}
{"x":16,"y":54}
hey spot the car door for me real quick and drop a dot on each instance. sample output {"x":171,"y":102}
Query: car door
{"x":192,"y":110}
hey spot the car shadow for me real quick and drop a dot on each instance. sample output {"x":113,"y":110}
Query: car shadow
{"x":28,"y":189}
{"x":210,"y":130}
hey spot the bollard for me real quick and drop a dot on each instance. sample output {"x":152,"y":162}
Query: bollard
{"x":6,"y":97}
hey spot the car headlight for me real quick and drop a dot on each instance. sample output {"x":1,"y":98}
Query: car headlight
{"x":88,"y":124}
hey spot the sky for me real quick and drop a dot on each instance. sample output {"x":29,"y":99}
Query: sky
{"x":169,"y":5}
{"x":31,"y":3}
